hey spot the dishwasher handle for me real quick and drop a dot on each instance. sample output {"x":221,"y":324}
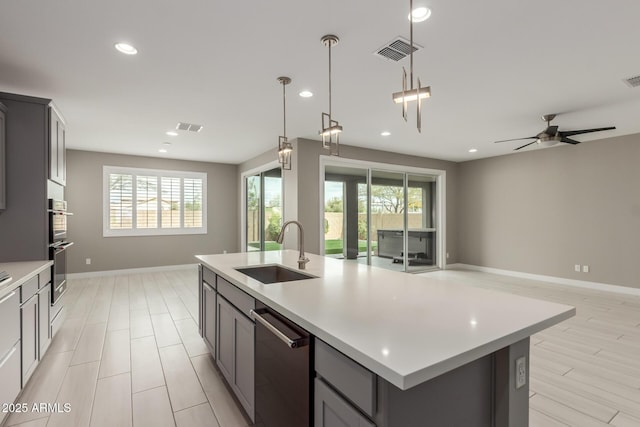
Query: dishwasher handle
{"x":300,"y":342}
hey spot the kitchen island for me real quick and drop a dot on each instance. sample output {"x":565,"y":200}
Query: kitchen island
{"x":437,"y":348}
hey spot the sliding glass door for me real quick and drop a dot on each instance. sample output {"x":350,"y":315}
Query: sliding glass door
{"x":381,"y":217}
{"x":263,"y":215}
{"x":345,"y":212}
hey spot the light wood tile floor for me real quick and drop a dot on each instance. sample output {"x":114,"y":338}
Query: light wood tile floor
{"x":129,"y":354}
{"x":584,"y":371}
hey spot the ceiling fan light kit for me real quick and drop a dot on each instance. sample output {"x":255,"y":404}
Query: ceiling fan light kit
{"x":551,"y":135}
{"x":331,"y":129}
{"x":284,"y":146}
{"x":411,"y":94}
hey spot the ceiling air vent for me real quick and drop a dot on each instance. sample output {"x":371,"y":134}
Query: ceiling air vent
{"x":396,"y":49}
{"x":633,"y":81}
{"x":189,"y":126}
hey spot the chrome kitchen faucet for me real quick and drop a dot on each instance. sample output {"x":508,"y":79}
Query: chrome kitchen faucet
{"x":302,"y":259}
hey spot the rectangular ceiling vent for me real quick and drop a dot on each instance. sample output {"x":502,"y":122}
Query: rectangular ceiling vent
{"x":396,"y":49}
{"x":633,"y":81}
{"x":189,"y":126}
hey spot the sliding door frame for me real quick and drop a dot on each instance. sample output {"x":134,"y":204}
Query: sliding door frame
{"x":441,"y":198}
{"x":243,"y":199}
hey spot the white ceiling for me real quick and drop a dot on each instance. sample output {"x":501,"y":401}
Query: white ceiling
{"x":494,"y":67}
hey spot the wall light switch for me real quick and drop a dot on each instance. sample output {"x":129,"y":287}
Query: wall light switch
{"x":521,"y":372}
{"x":577,"y":268}
{"x":87,"y":261}
{"x":585,"y":268}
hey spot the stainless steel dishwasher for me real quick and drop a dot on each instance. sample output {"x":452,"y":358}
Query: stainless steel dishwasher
{"x":282,"y":370}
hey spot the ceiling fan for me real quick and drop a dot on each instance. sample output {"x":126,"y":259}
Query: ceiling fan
{"x":551,"y":135}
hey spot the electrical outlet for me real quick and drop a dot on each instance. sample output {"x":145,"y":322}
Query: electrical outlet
{"x":447,"y":255}
{"x":224,"y":251}
{"x":521,"y":372}
{"x":577,"y":268}
{"x":585,"y":268}
{"x":87,"y":261}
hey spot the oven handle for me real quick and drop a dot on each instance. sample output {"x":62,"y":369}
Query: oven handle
{"x":288,"y":341}
{"x":55,"y":212}
{"x":62,"y":246}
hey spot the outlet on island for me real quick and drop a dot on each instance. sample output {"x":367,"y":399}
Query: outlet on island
{"x":87,"y":261}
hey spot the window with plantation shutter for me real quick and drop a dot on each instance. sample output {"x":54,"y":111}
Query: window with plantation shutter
{"x":144,"y":202}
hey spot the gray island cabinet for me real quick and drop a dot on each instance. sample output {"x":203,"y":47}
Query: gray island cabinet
{"x":389,"y":349}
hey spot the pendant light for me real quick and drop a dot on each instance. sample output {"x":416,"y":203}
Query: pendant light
{"x":284,"y":146}
{"x":410,"y":94}
{"x":330,"y":128}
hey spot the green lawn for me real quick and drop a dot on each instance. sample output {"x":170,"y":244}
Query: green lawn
{"x":334,"y":246}
{"x":331,"y":247}
{"x":268,"y":246}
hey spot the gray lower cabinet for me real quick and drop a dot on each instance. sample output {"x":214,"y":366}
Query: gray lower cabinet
{"x":29,"y":338}
{"x":209,"y":316}
{"x":331,"y":410}
{"x":44,"y":318}
{"x":235,"y":352}
{"x":10,"y":375}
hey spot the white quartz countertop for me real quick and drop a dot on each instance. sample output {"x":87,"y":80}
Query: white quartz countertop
{"x":20,"y":272}
{"x":403,"y":327}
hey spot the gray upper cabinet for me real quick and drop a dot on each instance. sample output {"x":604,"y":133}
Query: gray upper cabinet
{"x":57,"y":148}
{"x":29,"y":133}
{"x":3,"y":191}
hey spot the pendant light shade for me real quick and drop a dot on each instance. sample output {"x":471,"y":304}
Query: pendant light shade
{"x":331,"y":129}
{"x":410,"y":94}
{"x":284,"y":146}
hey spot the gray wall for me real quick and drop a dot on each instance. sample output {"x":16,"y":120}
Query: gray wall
{"x":84,"y":197}
{"x":306,"y":170}
{"x":545,"y":210}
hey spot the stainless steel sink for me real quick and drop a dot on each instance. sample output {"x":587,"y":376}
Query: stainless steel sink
{"x":273,"y":273}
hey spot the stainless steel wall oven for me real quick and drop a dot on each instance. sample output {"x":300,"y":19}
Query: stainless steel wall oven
{"x":58,"y":244}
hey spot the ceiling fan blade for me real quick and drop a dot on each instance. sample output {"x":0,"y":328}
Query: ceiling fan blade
{"x":569,"y":140}
{"x":580,"y":132}
{"x":516,"y":139}
{"x":525,"y":145}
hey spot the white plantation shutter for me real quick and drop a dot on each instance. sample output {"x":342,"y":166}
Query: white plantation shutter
{"x":170,"y":203}
{"x":147,"y":202}
{"x":192,"y":202}
{"x":143,"y":202}
{"x":121,"y":201}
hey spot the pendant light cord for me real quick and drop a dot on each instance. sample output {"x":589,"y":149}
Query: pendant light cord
{"x":284,"y":108}
{"x":411,"y":41}
{"x":330,"y":43}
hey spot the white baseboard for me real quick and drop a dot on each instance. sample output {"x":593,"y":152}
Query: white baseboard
{"x":89,"y":274}
{"x":552,"y":279}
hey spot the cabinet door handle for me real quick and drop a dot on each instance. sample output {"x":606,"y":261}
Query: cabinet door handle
{"x":7,"y":297}
{"x":7,"y":357}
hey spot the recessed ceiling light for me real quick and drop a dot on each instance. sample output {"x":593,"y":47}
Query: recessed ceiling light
{"x":419,"y":14}
{"x":126,"y":48}
{"x":473,"y":150}
{"x":172,"y":133}
{"x":166,"y":143}
{"x":385,"y":133}
{"x":162,"y":150}
{"x":306,"y":94}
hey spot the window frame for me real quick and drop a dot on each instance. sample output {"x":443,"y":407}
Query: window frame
{"x":160,"y":173}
